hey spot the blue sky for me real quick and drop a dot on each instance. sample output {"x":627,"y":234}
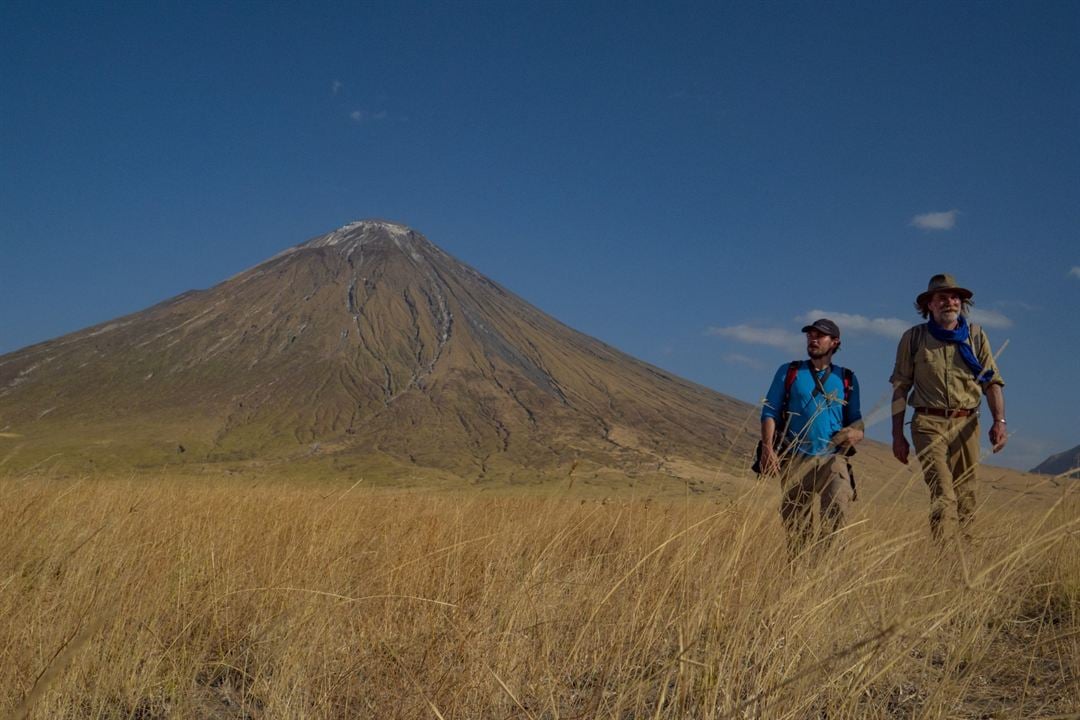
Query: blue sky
{"x":688,"y":182}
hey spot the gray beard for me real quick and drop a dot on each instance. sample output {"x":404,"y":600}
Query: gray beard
{"x":948,"y":317}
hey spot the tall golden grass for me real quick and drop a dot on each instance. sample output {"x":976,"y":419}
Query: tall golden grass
{"x":232,"y":599}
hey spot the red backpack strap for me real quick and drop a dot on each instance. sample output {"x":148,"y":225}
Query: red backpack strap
{"x":789,"y":379}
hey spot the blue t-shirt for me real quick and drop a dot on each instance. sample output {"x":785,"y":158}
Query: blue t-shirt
{"x":814,"y":418}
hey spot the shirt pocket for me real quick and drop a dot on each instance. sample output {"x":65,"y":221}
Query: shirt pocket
{"x":925,"y":357}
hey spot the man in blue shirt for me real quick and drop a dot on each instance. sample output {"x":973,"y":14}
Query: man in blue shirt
{"x":816,"y":429}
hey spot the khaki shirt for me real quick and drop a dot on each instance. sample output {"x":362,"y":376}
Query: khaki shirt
{"x":937,"y":371}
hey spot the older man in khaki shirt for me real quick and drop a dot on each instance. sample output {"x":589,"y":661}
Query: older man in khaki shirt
{"x":946,"y":365}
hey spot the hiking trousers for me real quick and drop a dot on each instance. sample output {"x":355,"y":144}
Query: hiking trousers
{"x":803,"y":479}
{"x":948,"y":450}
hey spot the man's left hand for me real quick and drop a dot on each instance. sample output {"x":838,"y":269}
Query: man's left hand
{"x":998,"y":435}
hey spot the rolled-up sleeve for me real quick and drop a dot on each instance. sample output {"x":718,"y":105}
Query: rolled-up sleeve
{"x":903,"y":373}
{"x":986,"y":359}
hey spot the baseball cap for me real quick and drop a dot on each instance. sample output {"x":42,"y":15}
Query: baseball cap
{"x":825,"y":326}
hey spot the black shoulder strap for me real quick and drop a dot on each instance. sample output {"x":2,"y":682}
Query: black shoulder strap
{"x":819,"y":382}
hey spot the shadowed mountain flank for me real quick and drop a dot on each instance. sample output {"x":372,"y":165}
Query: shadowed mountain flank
{"x":1063,"y":463}
{"x":368,"y":342}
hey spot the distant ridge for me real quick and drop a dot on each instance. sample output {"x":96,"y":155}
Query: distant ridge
{"x":370,"y":346}
{"x":1062,"y":463}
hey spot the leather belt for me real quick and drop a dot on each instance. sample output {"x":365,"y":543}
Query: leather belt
{"x":940,"y":412}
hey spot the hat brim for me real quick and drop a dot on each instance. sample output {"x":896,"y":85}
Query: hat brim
{"x":924,"y":298}
{"x":808,"y":328}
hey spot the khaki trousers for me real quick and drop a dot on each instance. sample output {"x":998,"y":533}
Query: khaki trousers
{"x":948,"y":450}
{"x":804,"y":478}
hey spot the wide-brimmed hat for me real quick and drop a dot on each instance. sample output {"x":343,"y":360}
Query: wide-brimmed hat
{"x":942,"y":282}
{"x":824,"y":326}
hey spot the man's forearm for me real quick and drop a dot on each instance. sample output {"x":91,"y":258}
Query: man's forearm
{"x":995,"y":398}
{"x":768,"y":432}
{"x":899,"y":411}
{"x":999,"y":434}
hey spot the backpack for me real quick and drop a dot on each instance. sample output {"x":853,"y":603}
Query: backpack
{"x":789,"y":380}
{"x":781,"y":430}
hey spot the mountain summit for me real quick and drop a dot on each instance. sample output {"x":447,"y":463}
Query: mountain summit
{"x":368,"y":345}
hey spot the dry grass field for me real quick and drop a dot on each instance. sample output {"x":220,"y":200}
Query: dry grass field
{"x":234,"y":598}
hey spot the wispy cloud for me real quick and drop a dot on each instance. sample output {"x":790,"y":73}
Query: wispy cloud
{"x":850,"y":323}
{"x":740,"y":359}
{"x":1020,"y":304}
{"x":1075,"y":272}
{"x":362,"y":116}
{"x":773,"y":337}
{"x":936,"y":220}
{"x":989,"y":318}
{"x":891,"y":328}
{"x":335,"y":87}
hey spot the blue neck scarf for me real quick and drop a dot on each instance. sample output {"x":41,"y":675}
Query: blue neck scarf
{"x":960,"y":337}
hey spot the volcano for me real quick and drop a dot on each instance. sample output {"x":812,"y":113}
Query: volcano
{"x":368,"y":345}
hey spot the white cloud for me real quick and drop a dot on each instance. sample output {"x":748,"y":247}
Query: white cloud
{"x":1075,"y":272}
{"x":1020,"y":304}
{"x":891,"y":328}
{"x":740,"y":359}
{"x":360,"y":116}
{"x":773,"y":337}
{"x":335,"y":87}
{"x":989,"y":318}
{"x":936,"y":220}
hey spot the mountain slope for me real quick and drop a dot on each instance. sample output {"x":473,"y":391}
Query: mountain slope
{"x":368,"y":342}
{"x":1061,"y":463}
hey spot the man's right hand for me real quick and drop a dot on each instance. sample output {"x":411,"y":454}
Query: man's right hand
{"x":770,"y":463}
{"x":900,"y":448}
